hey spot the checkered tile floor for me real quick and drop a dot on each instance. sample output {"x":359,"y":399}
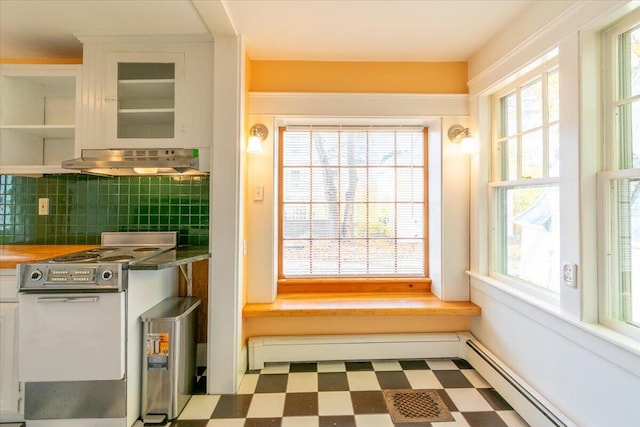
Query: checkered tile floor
{"x":347,"y":394}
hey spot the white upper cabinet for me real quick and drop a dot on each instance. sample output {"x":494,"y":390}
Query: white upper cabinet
{"x":147,"y":92}
{"x":146,"y":101}
{"x":38,"y":111}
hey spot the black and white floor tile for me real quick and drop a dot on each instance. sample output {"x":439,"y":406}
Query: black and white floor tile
{"x":347,"y":394}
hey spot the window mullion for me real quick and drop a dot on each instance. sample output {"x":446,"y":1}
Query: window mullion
{"x":395,"y":205}
{"x":367,"y":208}
{"x":311,"y":204}
{"x":518,"y":133}
{"x":338,"y":203}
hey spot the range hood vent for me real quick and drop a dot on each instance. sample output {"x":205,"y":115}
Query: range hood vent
{"x":137,"y":162}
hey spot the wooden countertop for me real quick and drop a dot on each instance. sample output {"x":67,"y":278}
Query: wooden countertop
{"x":11,"y":255}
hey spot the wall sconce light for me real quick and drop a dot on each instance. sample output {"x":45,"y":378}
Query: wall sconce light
{"x":458,"y":134}
{"x":257,"y":134}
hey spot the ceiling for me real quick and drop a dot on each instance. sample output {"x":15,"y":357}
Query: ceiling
{"x":328,"y":30}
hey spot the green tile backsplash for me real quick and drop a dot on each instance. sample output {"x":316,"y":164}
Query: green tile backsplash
{"x":82,"y":206}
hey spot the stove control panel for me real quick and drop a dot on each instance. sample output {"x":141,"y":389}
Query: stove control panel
{"x":78,"y":277}
{"x":85,"y":275}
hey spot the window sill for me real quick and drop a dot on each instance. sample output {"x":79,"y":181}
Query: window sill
{"x":597,"y":339}
{"x":359,"y":304}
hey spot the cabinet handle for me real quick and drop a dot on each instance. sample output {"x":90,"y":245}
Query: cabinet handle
{"x":111,"y":98}
{"x":67,"y":299}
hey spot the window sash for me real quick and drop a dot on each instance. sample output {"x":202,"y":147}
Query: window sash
{"x":520,"y":236}
{"x":312,"y":206}
{"x":503,"y":136}
{"x":619,"y":192}
{"x":626,"y":145}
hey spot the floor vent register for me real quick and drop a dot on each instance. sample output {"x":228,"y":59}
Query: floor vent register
{"x":416,"y":406}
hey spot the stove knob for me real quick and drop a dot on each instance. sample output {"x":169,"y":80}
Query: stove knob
{"x":107,"y":274}
{"x":36,"y":275}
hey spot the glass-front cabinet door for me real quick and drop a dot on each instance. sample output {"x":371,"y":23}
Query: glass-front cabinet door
{"x":144,"y":100}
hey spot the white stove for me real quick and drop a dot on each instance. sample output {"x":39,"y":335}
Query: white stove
{"x":80,"y":334}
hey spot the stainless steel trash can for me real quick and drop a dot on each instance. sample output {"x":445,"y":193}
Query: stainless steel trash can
{"x":169,"y":362}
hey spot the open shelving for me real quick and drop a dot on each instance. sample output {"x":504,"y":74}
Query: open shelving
{"x":37,"y":117}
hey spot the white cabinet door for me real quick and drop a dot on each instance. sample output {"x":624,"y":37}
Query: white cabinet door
{"x":8,"y":358}
{"x":148,"y":92}
{"x":145,"y":100}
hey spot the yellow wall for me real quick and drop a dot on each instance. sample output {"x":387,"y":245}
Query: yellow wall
{"x":359,"y":77}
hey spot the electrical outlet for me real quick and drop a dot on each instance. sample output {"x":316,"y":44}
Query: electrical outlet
{"x":569,"y":274}
{"x":43,"y":206}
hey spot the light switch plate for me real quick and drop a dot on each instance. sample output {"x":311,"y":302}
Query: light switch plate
{"x":258,"y":193}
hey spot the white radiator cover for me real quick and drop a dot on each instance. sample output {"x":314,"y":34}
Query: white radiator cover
{"x":530,"y":404}
{"x":351,"y":347}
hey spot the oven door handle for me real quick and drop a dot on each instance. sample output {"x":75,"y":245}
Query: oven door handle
{"x":67,"y":299}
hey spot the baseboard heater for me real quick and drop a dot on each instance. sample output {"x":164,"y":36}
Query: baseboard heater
{"x":536,"y":410}
{"x":351,"y":347}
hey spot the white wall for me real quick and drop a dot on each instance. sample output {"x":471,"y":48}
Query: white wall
{"x":225,"y":346}
{"x":590,"y":373}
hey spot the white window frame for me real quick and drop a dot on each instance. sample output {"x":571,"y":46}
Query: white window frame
{"x":608,"y":259}
{"x":529,"y":74}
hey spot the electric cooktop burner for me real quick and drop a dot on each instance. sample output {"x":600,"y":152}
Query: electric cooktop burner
{"x":84,"y":256}
{"x":107,"y":254}
{"x":78,"y":257}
